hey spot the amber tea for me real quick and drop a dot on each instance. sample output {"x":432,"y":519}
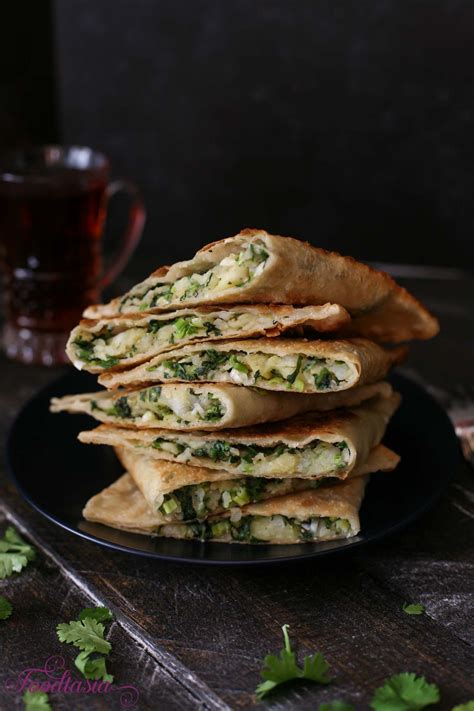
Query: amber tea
{"x":52,"y":212}
{"x":50,"y":247}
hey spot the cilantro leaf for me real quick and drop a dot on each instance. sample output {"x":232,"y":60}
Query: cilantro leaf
{"x":292,"y":376}
{"x":36,"y":701}
{"x":337,"y":705}
{"x":11,"y":563}
{"x":405,"y":692}
{"x":15,"y":553}
{"x":13,"y":538}
{"x":414,"y":608}
{"x":100,"y":614}
{"x":6,"y":608}
{"x":86,"y":634}
{"x":315,"y":668}
{"x":279,"y":669}
{"x":468,"y":706}
{"x":92,"y":668}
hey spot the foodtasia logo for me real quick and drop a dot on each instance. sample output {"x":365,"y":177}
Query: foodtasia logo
{"x":54,"y":678}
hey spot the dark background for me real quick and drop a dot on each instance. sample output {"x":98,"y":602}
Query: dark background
{"x":350,"y":124}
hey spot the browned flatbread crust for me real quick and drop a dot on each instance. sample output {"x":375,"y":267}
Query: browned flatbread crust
{"x":121,"y":505}
{"x":298,"y":273}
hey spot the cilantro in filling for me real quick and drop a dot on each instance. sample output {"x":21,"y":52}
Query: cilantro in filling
{"x":315,"y":458}
{"x":197,"y":501}
{"x":115,"y":344}
{"x":233,"y":271}
{"x":292,"y":372}
{"x":261,"y":529}
{"x":152,"y":405}
{"x":86,"y":353}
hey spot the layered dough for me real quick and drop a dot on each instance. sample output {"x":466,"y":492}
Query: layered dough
{"x":310,"y":516}
{"x":185,"y":407}
{"x":180,"y":493}
{"x":281,"y":364}
{"x":256,"y":267}
{"x":110,"y":344}
{"x":323,"y":514}
{"x":233,"y":423}
{"x":314,"y":445}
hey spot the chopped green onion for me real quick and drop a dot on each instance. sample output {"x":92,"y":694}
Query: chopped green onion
{"x":169,"y":506}
{"x":241,"y":497}
{"x":234,"y":362}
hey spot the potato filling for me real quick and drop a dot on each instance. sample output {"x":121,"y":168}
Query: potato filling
{"x":261,"y":529}
{"x":152,"y":405}
{"x":235,"y":270}
{"x":114,"y":344}
{"x":197,"y":501}
{"x":293,"y":372}
{"x":314,"y":459}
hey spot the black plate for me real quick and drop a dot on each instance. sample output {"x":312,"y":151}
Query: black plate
{"x":56,"y":474}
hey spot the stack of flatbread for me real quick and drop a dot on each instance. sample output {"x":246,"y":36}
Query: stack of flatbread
{"x":245,"y":391}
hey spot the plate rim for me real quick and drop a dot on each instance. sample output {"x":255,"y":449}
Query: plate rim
{"x":349,"y":544}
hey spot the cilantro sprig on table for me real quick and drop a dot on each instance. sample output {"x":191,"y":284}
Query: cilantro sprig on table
{"x":15,"y":553}
{"x":405,"y":692}
{"x":36,"y":701}
{"x":92,"y":668}
{"x":87,"y":633}
{"x":401,"y":692}
{"x":100,"y":614}
{"x":413,"y":608}
{"x":282,"y":668}
{"x":6,"y":608}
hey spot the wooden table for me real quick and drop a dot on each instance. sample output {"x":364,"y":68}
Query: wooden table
{"x":194,"y":637}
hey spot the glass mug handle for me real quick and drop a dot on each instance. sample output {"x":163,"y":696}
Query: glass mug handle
{"x":132,"y":233}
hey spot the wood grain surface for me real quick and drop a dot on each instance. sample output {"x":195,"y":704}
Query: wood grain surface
{"x":194,"y":637}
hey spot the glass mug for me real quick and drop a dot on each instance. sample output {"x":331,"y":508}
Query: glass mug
{"x":53,"y":203}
